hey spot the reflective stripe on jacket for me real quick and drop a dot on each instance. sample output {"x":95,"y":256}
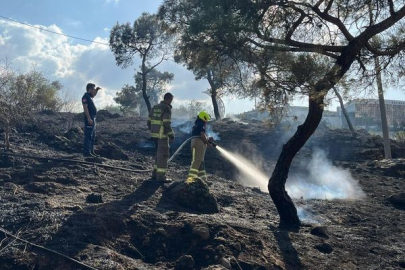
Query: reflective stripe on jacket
{"x":160,"y":121}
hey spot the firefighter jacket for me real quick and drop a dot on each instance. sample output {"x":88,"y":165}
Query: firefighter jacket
{"x":159,"y":121}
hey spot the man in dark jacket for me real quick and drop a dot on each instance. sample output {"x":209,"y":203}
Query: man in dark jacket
{"x":90,"y":112}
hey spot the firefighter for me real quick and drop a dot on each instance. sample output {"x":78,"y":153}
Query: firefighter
{"x":161,"y":132}
{"x":199,"y":144}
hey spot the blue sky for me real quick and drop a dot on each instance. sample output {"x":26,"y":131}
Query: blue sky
{"x":75,"y":62}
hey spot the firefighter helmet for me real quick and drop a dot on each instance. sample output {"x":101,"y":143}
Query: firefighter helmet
{"x":204,"y":116}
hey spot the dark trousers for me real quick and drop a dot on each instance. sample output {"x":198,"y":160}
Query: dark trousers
{"x":89,"y":136}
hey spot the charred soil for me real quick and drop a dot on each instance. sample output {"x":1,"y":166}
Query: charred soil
{"x":109,"y":218}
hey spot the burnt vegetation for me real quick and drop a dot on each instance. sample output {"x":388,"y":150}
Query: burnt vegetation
{"x":108,"y":218}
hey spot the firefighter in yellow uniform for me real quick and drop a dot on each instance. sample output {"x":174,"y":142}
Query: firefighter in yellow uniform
{"x":161,"y":132}
{"x":199,"y":143}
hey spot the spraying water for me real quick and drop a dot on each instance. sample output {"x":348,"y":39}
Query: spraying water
{"x":253,"y":176}
{"x":322,"y":179}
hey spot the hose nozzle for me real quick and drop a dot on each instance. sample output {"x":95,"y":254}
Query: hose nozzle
{"x":211,"y":141}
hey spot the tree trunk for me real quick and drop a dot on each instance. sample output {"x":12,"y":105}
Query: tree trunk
{"x":276,"y":186}
{"x":144,"y":85}
{"x":349,"y":123}
{"x":215,"y":104}
{"x":211,"y":80}
{"x":384,"y":124}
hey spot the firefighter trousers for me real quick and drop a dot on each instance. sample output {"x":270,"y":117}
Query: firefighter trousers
{"x":198,"y":148}
{"x":162,"y":156}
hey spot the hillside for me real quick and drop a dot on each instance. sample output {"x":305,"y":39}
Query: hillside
{"x":108,"y":218}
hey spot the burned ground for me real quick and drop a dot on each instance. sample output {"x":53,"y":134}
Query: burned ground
{"x":139,"y":226}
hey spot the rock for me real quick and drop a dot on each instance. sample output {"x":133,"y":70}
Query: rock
{"x":103,"y":115}
{"x":220,"y":249}
{"x":324,"y":248}
{"x":185,"y":262}
{"x":251,"y":265}
{"x":202,"y":231}
{"x":94,"y":198}
{"x":161,"y":231}
{"x":238,"y":246}
{"x":320,"y":231}
{"x":397,"y":200}
{"x":234,"y":263}
{"x":215,"y":267}
{"x":194,"y":195}
{"x":42,"y":187}
{"x":225,"y":263}
{"x":62,"y":143}
{"x":74,"y":134}
{"x":112,"y":151}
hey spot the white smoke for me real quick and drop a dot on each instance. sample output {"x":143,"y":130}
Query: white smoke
{"x":320,"y":180}
{"x":186,"y":126}
{"x":323,"y":180}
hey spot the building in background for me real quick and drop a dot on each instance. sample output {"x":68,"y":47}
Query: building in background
{"x":292,"y":115}
{"x":365,"y":113}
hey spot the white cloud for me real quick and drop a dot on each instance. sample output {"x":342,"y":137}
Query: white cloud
{"x":111,"y":1}
{"x":74,"y":65}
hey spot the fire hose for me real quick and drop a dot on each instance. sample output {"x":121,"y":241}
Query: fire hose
{"x":184,"y":143}
{"x":100,"y":164}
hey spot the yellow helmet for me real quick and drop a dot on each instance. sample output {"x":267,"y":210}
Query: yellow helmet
{"x":204,"y":116}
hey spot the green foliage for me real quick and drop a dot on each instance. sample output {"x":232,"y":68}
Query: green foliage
{"x":21,"y":94}
{"x":191,"y":110}
{"x":280,"y":38}
{"x":128,"y":100}
{"x":130,"y":97}
{"x":147,"y":37}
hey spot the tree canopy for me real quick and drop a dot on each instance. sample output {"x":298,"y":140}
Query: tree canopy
{"x":148,"y":39}
{"x":130,"y":97}
{"x":271,"y":34}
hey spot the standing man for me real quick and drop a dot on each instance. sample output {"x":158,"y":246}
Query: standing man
{"x":199,"y":143}
{"x":161,"y":132}
{"x":90,"y":112}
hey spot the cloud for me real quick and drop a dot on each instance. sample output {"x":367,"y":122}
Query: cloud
{"x":74,"y":65}
{"x":112,"y":1}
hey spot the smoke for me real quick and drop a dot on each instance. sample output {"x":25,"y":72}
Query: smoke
{"x":186,"y":126}
{"x":212,"y":133}
{"x":323,"y":180}
{"x":179,"y":121}
{"x":320,"y":178}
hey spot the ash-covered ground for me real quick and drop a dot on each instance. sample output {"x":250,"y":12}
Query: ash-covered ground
{"x":351,"y":202}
